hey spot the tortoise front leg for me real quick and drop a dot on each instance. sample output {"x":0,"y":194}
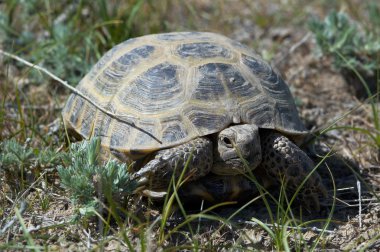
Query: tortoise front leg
{"x":283,"y":161}
{"x":196,"y":156}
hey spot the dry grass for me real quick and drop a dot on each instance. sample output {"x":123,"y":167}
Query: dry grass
{"x":67,"y":38}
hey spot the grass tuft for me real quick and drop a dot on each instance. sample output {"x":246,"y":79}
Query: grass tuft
{"x":67,"y":37}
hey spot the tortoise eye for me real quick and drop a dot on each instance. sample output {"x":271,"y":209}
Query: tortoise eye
{"x":227,"y":142}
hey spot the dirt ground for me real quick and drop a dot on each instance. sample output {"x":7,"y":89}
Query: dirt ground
{"x":324,"y":99}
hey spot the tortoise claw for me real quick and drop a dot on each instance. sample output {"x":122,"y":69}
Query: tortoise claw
{"x":142,"y":181}
{"x":154,"y":194}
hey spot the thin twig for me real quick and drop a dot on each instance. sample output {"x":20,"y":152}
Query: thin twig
{"x":32,"y":107}
{"x":88,"y":238}
{"x":41,"y":227}
{"x":118,"y":117}
{"x":23,"y":207}
{"x":346,"y":188}
{"x":9,"y":199}
{"x":362,"y":200}
{"x":290,"y":227}
{"x":303,"y":40}
{"x":31,"y":186}
{"x":360,"y":203}
{"x":64,"y":83}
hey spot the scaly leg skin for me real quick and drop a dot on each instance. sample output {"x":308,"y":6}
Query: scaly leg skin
{"x":158,"y":172}
{"x":282,"y":159}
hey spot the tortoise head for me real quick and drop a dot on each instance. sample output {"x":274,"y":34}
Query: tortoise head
{"x":237,"y":150}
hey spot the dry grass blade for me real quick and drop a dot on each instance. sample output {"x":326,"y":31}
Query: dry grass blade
{"x":64,"y":83}
{"x":78,"y":92}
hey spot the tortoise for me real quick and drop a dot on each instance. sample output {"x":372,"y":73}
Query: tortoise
{"x":196,"y":103}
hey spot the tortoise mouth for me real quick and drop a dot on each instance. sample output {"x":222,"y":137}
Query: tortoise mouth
{"x":233,"y":166}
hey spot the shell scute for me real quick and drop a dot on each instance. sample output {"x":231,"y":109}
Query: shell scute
{"x":209,"y":84}
{"x":87,"y":124}
{"x":76,"y":111}
{"x":133,"y":56}
{"x":120,"y":135}
{"x":173,"y":133}
{"x":157,"y":89}
{"x":110,"y":80}
{"x":182,"y":36}
{"x":206,"y":120}
{"x":102,"y":126}
{"x":145,"y":138}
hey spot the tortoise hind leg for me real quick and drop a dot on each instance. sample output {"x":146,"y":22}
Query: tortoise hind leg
{"x":282,"y":159}
{"x":195,"y":156}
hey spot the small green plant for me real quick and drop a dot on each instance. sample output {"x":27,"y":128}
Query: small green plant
{"x":17,"y":162}
{"x":356,"y":53}
{"x":340,"y":37}
{"x":86,"y":178}
{"x":354,"y":49}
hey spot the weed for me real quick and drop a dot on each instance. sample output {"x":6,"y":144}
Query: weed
{"x":350,"y":47}
{"x":19,"y":163}
{"x":340,"y":34}
{"x":86,"y":178}
{"x":356,"y":54}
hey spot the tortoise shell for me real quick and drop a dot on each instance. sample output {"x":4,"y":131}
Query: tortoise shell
{"x":174,"y":87}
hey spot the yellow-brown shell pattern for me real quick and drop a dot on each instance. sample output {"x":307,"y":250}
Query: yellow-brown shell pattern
{"x":176,"y":87}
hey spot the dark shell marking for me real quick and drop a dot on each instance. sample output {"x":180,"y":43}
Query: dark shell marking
{"x":209,"y":83}
{"x":111,"y":78}
{"x":173,"y":129}
{"x":179,"y":86}
{"x":157,"y":89}
{"x":204,"y":120}
{"x":203,"y":50}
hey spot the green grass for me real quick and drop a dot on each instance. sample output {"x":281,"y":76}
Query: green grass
{"x":355,"y":51}
{"x":67,"y":38}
